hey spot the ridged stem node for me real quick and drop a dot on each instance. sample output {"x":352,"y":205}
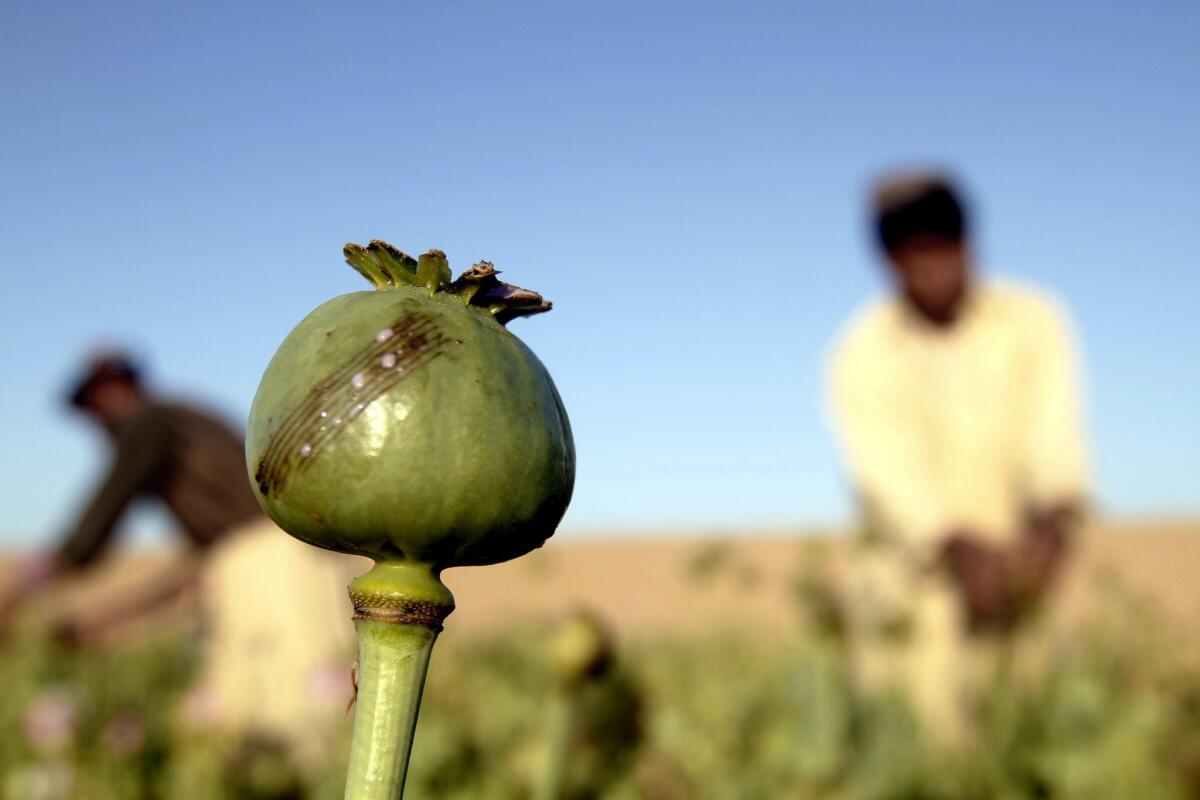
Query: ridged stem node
{"x":398,"y":612}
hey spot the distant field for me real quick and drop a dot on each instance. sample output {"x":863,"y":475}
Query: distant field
{"x":679,"y":582}
{"x":685,"y":582}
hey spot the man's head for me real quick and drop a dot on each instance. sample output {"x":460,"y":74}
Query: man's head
{"x":922,"y":227}
{"x":109,"y":389}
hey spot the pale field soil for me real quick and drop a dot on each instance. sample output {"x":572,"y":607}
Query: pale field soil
{"x":658,"y":585}
{"x":680,"y":583}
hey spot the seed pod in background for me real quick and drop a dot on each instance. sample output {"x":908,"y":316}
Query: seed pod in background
{"x":581,"y":649}
{"x":409,"y":425}
{"x":594,"y":728}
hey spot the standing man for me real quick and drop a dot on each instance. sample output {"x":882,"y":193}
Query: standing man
{"x":957,"y":408}
{"x":266,"y":662}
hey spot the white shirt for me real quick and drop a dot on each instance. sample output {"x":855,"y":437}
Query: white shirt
{"x":965,"y":426}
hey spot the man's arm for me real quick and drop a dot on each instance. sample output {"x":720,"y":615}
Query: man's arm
{"x":141,"y":452}
{"x":170,"y":584}
{"x":1055,"y":460}
{"x":1055,"y":454}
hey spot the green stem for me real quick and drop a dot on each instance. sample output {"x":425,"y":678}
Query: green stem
{"x":558,"y":749}
{"x":392,"y":660}
{"x":398,"y":612}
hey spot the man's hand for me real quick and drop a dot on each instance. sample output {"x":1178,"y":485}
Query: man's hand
{"x":1039,"y":555}
{"x":983,"y":574}
{"x":1000,"y":585}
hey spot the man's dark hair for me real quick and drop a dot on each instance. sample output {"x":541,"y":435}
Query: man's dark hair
{"x":101,"y":369}
{"x":921,"y":205}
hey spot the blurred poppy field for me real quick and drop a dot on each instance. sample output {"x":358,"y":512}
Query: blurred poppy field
{"x":1113,"y":713}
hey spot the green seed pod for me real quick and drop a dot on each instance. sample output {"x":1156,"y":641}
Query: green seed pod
{"x":582,"y":649}
{"x":409,"y":425}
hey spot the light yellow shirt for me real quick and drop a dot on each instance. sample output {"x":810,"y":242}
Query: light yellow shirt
{"x":962,"y":426}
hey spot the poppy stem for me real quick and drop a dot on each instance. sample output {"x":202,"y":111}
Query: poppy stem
{"x":399,"y":608}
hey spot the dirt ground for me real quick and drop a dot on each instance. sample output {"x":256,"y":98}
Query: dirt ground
{"x":682,"y":583}
{"x":686,"y":583}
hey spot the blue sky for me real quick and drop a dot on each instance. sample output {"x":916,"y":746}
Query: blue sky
{"x":684,"y":180}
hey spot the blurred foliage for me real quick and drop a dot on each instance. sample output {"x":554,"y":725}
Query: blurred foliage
{"x":1114,"y":715}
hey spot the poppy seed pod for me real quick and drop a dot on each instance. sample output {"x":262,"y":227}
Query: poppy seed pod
{"x":407,"y":423}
